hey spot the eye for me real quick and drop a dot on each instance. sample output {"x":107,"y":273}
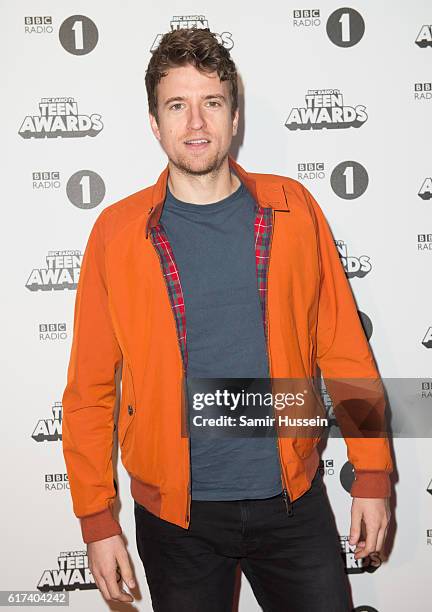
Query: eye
{"x":176,"y":106}
{"x":214,"y":103}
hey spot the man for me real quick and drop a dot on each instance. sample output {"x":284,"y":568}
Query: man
{"x":213,"y":272}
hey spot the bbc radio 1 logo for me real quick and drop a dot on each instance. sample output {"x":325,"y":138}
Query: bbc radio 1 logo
{"x":73,"y":573}
{"x":362,"y":565}
{"x":424,"y":242}
{"x":422,"y":91}
{"x":59,"y":117}
{"x":427,"y":340}
{"x":47,"y":179}
{"x":325,"y":108}
{"x":52,"y":331}
{"x":56,"y":482}
{"x":61,"y":272}
{"x":78,"y":35}
{"x":326,"y":467}
{"x":425,"y":192}
{"x":426,"y":394}
{"x":49,"y":430}
{"x":424,"y":37}
{"x":194,"y":22}
{"x":310,"y":171}
{"x":38,"y":24}
{"x":354,"y":266}
{"x":429,"y":537}
{"x":345,"y":27}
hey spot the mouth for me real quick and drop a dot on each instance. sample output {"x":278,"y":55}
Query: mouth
{"x":197,"y":144}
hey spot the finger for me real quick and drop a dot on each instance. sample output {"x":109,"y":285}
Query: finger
{"x":125,"y":568}
{"x":101,"y":585}
{"x":381,"y":537}
{"x":355,"y":528}
{"x":371,"y":540}
{"x":114,"y":589}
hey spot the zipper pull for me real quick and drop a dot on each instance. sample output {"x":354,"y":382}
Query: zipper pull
{"x":288,"y":504}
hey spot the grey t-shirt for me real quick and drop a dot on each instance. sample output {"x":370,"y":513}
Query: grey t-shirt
{"x":213,"y":245}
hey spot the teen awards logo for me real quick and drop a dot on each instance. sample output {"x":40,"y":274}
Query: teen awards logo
{"x":427,"y":340}
{"x":367,"y":564}
{"x":425,"y":192}
{"x":424,"y":37}
{"x":61,"y":272}
{"x":72,"y":573}
{"x":325,"y":108}
{"x":194,"y":22}
{"x":49,"y":430}
{"x":354,"y":266}
{"x":310,"y":171}
{"x":59,"y":117}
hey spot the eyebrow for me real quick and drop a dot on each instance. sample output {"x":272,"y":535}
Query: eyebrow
{"x":183,"y":98}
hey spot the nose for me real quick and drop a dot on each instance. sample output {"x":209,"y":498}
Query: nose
{"x":196,"y":120}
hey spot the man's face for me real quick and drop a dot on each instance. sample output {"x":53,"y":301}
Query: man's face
{"x":195,"y":126}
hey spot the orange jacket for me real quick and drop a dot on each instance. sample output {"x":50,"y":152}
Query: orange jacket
{"x":123,"y":317}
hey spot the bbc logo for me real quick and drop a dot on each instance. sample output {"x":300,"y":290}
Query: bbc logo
{"x":52,"y":327}
{"x":56,"y":478}
{"x":306,"y":13}
{"x":423,"y":86}
{"x":424,"y":237}
{"x":46,"y":176}
{"x":38,"y":20}
{"x":310,"y":167}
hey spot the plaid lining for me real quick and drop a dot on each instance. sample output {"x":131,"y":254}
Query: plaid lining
{"x":159,"y":238}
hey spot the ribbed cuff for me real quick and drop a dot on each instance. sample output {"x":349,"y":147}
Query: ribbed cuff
{"x":369,"y":483}
{"x":99,"y":526}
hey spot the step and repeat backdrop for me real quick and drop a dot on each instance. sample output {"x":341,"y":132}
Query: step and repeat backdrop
{"x":337,"y":97}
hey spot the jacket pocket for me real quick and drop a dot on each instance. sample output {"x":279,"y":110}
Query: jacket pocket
{"x":127,"y":405}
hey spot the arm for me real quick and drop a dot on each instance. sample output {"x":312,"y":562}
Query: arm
{"x":89,"y":398}
{"x":343,"y":352}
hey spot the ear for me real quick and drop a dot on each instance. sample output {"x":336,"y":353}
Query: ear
{"x":235,"y":122}
{"x":154,"y":126}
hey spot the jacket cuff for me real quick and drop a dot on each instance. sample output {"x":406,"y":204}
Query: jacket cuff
{"x":99,"y":526}
{"x":370,"y":483}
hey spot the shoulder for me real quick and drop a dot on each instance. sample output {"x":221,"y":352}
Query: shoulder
{"x":117,"y":216}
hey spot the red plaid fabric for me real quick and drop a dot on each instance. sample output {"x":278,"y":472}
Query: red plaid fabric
{"x":159,"y":238}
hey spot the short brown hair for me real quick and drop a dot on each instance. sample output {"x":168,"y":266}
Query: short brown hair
{"x":198,"y":47}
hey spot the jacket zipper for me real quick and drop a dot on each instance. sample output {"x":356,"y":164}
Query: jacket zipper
{"x":183,"y":381}
{"x":288,"y":504}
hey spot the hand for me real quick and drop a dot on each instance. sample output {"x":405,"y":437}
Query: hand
{"x":375,"y":514}
{"x":104,"y":558}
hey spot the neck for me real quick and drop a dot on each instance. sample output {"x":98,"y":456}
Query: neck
{"x":203,"y":189}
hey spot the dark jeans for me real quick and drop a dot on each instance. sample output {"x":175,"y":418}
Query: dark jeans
{"x":293,"y":563}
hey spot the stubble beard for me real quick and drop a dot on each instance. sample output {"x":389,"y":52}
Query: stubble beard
{"x":212,"y":166}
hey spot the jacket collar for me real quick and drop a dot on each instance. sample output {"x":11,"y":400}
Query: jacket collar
{"x":265,"y":194}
